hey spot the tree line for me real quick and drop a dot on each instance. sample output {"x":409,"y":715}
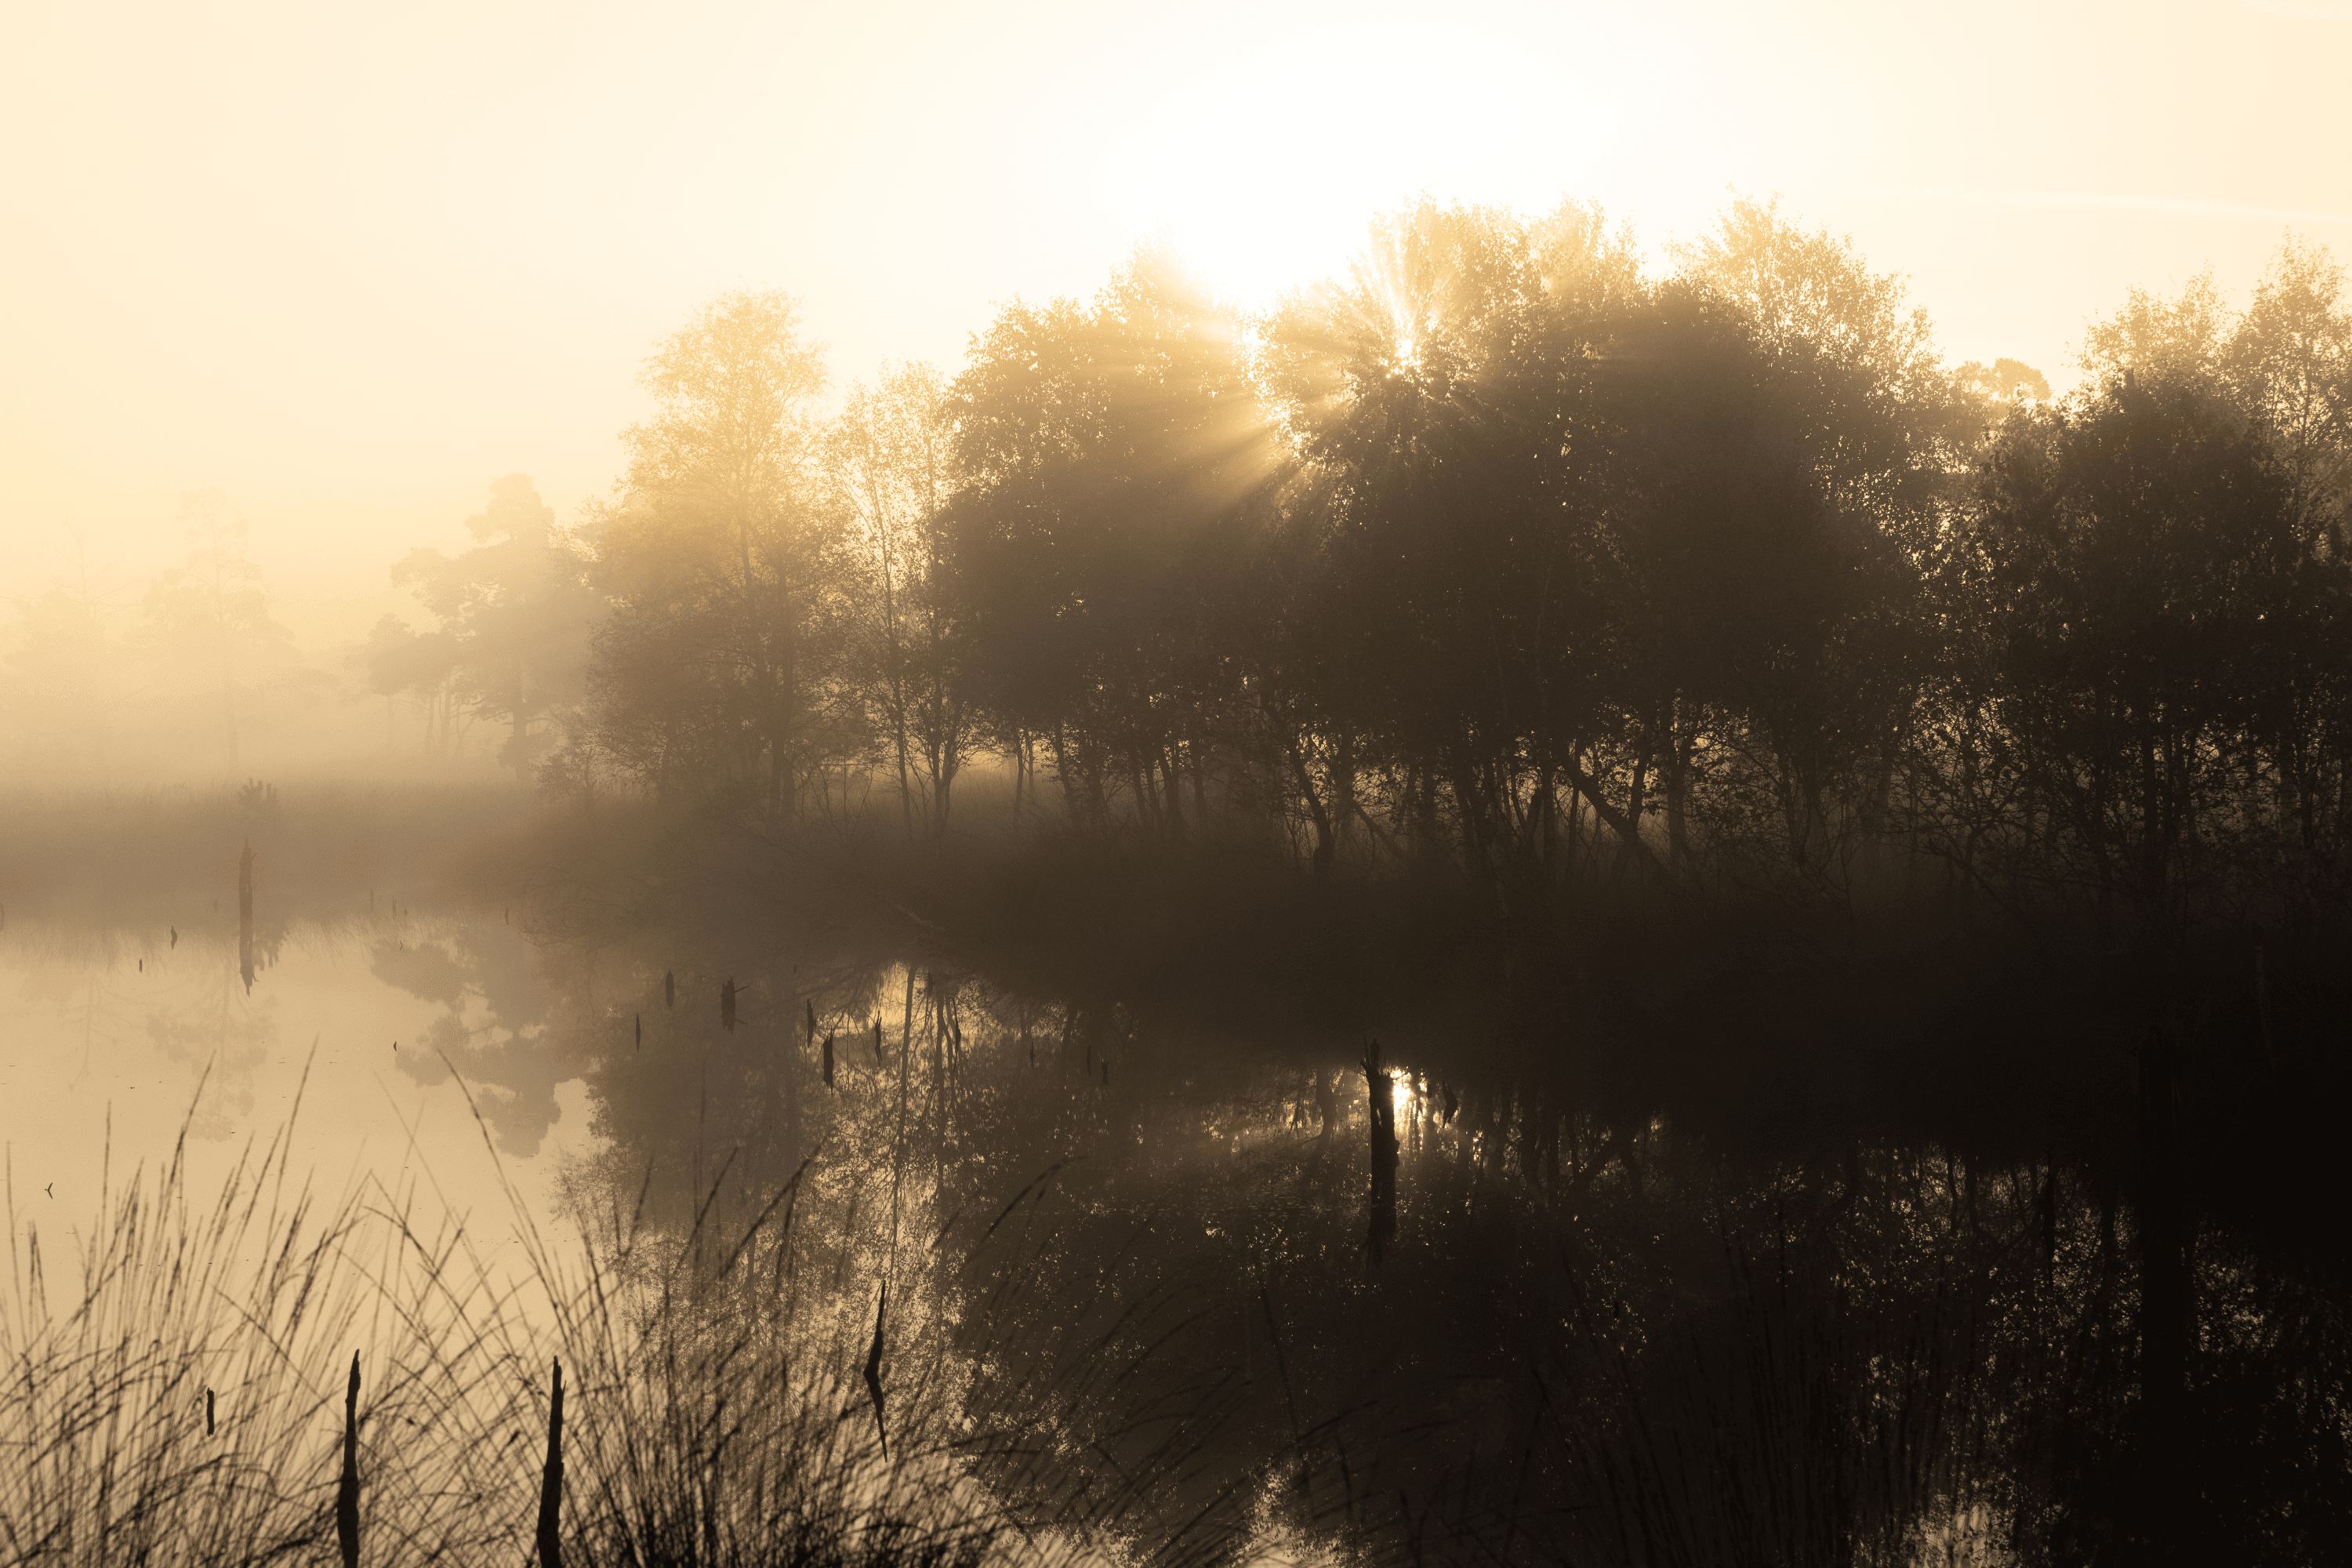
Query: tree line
{"x":203,"y":671}
{"x":1501,"y":553}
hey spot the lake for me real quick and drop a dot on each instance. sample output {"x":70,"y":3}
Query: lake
{"x":1226,"y":1291}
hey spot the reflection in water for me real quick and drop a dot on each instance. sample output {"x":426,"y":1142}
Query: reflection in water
{"x":494,"y":1002}
{"x":223,"y":1036}
{"x":1380,"y":1115}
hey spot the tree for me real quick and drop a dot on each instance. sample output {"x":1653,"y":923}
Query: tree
{"x":1594,"y":543}
{"x":1982,"y":396}
{"x":2138,"y":549}
{"x":1091,"y":535}
{"x":397,"y":659}
{"x":2289,"y":360}
{"x":2178,"y":339}
{"x":1756,"y":604}
{"x":214,"y":609}
{"x":889,"y":457}
{"x":1788,"y":430}
{"x":721,"y":664}
{"x":512,"y":644}
{"x":1445,"y":390}
{"x":2006,"y":381}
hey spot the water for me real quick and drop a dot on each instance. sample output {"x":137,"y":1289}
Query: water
{"x":1150,"y":1281}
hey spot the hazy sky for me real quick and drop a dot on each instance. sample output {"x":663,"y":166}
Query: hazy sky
{"x":350,"y":263}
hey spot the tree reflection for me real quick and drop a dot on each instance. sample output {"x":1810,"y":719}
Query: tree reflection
{"x":497,"y":1003}
{"x":1614,"y":1339}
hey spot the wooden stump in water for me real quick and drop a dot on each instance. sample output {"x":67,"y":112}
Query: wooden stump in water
{"x":828,"y":1061}
{"x":347,"y":1490}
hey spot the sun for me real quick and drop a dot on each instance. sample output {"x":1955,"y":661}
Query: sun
{"x":1264,"y":166}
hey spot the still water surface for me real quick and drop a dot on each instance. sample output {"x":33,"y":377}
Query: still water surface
{"x":114,"y":1043}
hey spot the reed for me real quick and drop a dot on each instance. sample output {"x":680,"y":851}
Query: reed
{"x":551,"y":1486}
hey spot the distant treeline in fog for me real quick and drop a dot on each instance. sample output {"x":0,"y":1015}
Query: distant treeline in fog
{"x":1498,"y":551}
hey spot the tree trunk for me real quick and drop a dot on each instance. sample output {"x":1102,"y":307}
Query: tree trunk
{"x":1677,"y":781}
{"x":1343,"y":786}
{"x":1019,"y":770}
{"x":1616,"y":821}
{"x":1324,"y":838}
{"x":1061,"y":775}
{"x":521,"y":727}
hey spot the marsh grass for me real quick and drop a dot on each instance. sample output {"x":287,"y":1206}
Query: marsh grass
{"x":692,"y":1435}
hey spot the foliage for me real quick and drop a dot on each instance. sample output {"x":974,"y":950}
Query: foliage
{"x":721,"y":660}
{"x":889,"y":458}
{"x":1089,"y":544}
{"x":177,"y":1396}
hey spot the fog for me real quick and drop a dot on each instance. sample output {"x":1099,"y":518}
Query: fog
{"x":1268,"y":785}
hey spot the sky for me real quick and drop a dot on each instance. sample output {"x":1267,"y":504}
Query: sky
{"x":352,"y":263}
